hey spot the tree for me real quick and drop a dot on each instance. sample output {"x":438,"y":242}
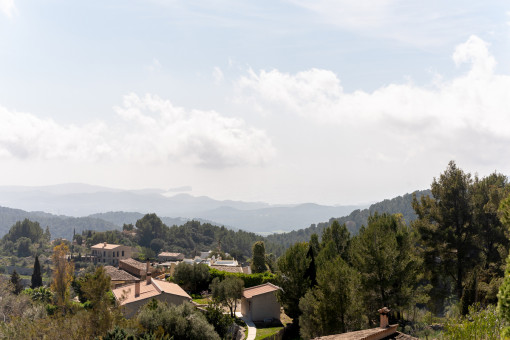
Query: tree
{"x":183,"y":322}
{"x":383,"y":254}
{"x":446,"y":228}
{"x":148,"y":228}
{"x":331,"y":306}
{"x":339,"y":236}
{"x":26,"y":228}
{"x":315,"y":244}
{"x":311,"y":271}
{"x":258,"y":262}
{"x":221,"y":322}
{"x":228,"y":292}
{"x":47,"y":235}
{"x":36,"y":274}
{"x":63,"y":271}
{"x":192,"y":277}
{"x":95,"y":289}
{"x":292,"y":268}
{"x":24,"y":244}
{"x":504,"y":294}
{"x":16,"y":282}
{"x":487,"y":195}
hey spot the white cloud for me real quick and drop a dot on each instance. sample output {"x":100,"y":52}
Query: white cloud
{"x":7,"y":7}
{"x":149,"y":129}
{"x":217,"y":75}
{"x":467,"y":116}
{"x":155,"y":66}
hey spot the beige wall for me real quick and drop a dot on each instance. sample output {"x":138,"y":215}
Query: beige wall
{"x":112,"y":256}
{"x":262,"y":307}
{"x":132,"y":308}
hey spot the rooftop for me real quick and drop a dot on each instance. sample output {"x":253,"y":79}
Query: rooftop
{"x":135,"y":263}
{"x":248,"y":293}
{"x":389,"y":333}
{"x":126,"y":294}
{"x":107,"y":246}
{"x":167,"y":254}
{"x":119,"y":274}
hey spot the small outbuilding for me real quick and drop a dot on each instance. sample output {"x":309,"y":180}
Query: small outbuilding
{"x":259,"y":303}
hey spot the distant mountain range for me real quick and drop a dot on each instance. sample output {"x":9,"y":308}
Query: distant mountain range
{"x":296,"y":222}
{"x":98,"y":203}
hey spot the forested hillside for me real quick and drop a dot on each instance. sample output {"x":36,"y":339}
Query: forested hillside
{"x":354,"y":221}
{"x":120,"y":218}
{"x":60,"y":226}
{"x":153,"y":236}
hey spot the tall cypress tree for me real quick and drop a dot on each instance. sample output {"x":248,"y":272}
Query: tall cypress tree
{"x":36,"y":274}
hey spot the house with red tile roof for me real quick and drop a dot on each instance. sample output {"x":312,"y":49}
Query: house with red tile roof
{"x":133,"y":296}
{"x":259,"y":303}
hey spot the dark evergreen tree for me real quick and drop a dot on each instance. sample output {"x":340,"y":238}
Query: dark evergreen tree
{"x":16,"y":282}
{"x":311,"y":271}
{"x":445,"y":224}
{"x":36,"y":274}
{"x":258,"y":262}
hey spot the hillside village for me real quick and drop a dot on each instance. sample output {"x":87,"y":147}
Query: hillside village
{"x":391,"y":280}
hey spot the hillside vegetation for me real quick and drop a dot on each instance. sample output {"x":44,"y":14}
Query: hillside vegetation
{"x":355,"y":220}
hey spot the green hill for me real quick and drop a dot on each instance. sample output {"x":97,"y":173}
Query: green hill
{"x":354,"y":221}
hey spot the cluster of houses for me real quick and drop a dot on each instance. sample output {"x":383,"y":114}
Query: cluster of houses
{"x":135,"y":283}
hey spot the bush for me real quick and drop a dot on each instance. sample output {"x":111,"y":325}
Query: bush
{"x":478,"y":324}
{"x":249,"y":280}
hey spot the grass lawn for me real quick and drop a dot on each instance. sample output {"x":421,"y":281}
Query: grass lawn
{"x":263,"y":333}
{"x":202,"y":301}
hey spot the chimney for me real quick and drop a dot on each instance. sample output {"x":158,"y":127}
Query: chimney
{"x":137,"y":288}
{"x":104,"y":245}
{"x":383,"y":315}
{"x":148,"y":278}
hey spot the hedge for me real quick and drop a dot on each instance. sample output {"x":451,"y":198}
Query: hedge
{"x":250,"y":280}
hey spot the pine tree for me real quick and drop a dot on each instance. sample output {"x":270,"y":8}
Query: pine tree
{"x":36,"y":274}
{"x":16,"y":282}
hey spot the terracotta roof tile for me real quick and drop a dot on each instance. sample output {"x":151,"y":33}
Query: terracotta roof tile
{"x":170,"y":288}
{"x":167,"y":254}
{"x":389,"y":333}
{"x":126,"y":294}
{"x":135,"y":263}
{"x":248,"y":293}
{"x":108,"y":246}
{"x":119,"y":274}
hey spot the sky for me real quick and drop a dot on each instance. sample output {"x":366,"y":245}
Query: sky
{"x":333,"y":102}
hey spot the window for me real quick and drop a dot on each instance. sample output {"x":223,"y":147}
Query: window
{"x":113,"y":254}
{"x":123,"y":253}
{"x":104,"y":253}
{"x":117,"y":254}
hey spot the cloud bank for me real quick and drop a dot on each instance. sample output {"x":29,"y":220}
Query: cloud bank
{"x":7,"y":7}
{"x":147,"y":129}
{"x":466,"y":116}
